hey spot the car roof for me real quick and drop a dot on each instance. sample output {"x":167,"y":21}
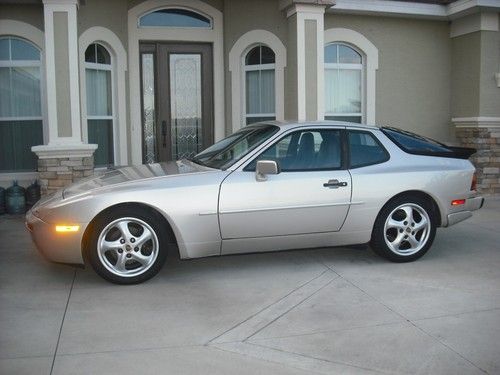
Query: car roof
{"x":294,"y":124}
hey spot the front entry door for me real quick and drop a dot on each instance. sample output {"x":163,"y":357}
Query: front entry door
{"x":181,"y":123}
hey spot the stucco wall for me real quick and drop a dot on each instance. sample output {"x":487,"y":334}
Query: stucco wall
{"x":413,"y":78}
{"x":241,"y":16}
{"x":112,"y":14}
{"x":465,"y":68}
{"x":489,"y":103}
{"x":31,"y":14}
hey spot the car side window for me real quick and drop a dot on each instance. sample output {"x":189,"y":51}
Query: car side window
{"x":365,"y":149}
{"x":305,"y":150}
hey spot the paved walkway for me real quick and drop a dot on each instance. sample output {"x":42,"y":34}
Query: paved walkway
{"x":325,"y":311}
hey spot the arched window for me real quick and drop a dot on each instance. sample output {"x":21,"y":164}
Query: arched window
{"x":175,"y":17}
{"x":98,"y":77}
{"x":259,"y":85}
{"x":343,"y":83}
{"x":20,"y":104}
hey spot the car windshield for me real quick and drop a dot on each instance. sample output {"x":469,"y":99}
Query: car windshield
{"x":228,"y":151}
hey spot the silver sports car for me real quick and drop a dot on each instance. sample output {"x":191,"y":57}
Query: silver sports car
{"x":269,"y":186}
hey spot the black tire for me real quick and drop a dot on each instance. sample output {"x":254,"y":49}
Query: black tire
{"x":394,"y":208}
{"x":140,"y":217}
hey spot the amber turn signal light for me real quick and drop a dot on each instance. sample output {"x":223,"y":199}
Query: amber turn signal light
{"x":67,"y":228}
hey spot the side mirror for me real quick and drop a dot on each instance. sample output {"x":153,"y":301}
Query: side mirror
{"x":264,"y":168}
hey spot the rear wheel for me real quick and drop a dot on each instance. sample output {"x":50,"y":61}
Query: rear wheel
{"x":404,"y":229}
{"x":127,"y":246}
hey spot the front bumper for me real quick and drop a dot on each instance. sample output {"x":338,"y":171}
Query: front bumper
{"x":471,"y":204}
{"x":57,"y":247}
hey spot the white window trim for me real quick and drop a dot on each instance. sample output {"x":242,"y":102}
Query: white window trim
{"x":118,"y":66}
{"x":236,"y":66}
{"x":370,"y":55}
{"x":136,"y":34}
{"x":253,"y":68}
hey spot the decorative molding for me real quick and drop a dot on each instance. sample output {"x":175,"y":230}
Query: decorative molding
{"x":49,"y":8}
{"x":64,"y":151}
{"x":136,"y":34}
{"x":474,"y":22}
{"x":414,"y":10}
{"x":118,"y":54}
{"x":476,"y":122}
{"x":236,"y":61}
{"x":370,"y":53}
{"x":316,"y":13}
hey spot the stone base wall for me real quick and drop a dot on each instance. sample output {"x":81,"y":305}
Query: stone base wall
{"x":56,"y":173}
{"x":486,"y":140}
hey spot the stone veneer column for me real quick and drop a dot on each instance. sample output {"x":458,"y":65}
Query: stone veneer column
{"x":61,"y":166}
{"x":487,"y":159}
{"x":64,"y":159}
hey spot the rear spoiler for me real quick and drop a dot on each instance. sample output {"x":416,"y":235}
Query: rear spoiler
{"x":462,"y":152}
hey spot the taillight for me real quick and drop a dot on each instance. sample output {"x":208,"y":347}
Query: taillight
{"x":473,"y":185}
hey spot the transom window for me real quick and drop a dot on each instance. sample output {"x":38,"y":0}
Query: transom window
{"x":259,"y":85}
{"x":343,"y":83}
{"x":305,"y":150}
{"x":98,"y":80}
{"x":175,"y":17}
{"x":20,"y":104}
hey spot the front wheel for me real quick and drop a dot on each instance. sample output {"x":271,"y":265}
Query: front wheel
{"x":127,"y":246}
{"x":404,"y":229}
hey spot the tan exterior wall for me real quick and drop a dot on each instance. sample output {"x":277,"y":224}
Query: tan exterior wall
{"x":489,"y":103}
{"x":311,"y":70}
{"x":31,"y":14}
{"x":112,"y":15}
{"x":414,"y":75}
{"x":241,"y":16}
{"x":465,"y":78}
{"x":291,"y":100}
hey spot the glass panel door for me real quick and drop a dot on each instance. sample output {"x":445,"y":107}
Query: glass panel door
{"x":177,"y":100}
{"x":185,"y":105}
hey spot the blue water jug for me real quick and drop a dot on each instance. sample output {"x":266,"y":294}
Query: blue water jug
{"x":15,"y":200}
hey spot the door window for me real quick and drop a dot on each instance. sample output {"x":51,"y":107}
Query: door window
{"x":305,"y":150}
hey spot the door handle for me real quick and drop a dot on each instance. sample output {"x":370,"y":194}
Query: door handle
{"x":164,"y":132}
{"x":335,"y":184}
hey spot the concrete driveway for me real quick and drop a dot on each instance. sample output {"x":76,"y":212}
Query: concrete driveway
{"x":327,"y":311}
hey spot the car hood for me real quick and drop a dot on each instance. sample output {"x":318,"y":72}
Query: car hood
{"x":129,"y":174}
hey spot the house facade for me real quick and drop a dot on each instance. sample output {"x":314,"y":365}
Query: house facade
{"x":92,"y":84}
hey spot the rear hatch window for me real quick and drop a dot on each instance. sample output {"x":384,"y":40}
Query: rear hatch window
{"x":419,"y":145}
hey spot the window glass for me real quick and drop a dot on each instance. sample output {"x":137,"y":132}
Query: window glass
{"x":260,"y":84}
{"x":98,"y":72}
{"x":348,"y":56}
{"x":5,"y":49}
{"x":305,"y":150}
{"x":364,"y":149}
{"x":97,"y":54}
{"x":415,"y":143}
{"x":343,"y":83}
{"x":21,"y":50}
{"x":20,"y":105}
{"x":228,"y":151}
{"x":175,"y":18}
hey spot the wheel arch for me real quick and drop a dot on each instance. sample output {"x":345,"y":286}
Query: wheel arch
{"x":172,"y":237}
{"x":419,"y":193}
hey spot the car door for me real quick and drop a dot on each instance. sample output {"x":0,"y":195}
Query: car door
{"x":311,"y":194}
